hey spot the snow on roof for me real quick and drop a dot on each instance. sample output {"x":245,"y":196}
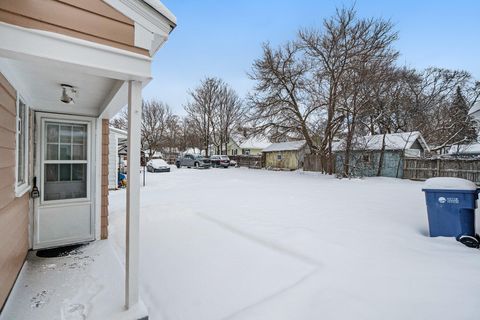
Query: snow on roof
{"x":449,"y":184}
{"x":285,"y":146}
{"x":255,"y":143}
{"x":475,"y":110}
{"x":393,"y":141}
{"x":120,"y":132}
{"x":473,"y":148}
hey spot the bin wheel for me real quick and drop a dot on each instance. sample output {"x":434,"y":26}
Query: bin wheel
{"x":469,"y":241}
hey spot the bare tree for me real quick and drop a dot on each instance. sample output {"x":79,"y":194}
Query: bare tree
{"x":201,"y":108}
{"x":214,"y":110}
{"x":120,"y":121}
{"x":155,"y":115}
{"x":281,"y":101}
{"x":228,"y":115}
{"x":345,"y":54}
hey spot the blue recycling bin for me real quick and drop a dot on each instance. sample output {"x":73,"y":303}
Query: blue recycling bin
{"x":451,"y":204}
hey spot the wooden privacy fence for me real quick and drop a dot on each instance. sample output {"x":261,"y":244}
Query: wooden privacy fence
{"x":313,"y":162}
{"x":249,"y":161}
{"x":422,"y":169}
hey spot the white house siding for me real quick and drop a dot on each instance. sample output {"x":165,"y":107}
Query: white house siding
{"x":112,"y":161}
{"x":114,"y":137}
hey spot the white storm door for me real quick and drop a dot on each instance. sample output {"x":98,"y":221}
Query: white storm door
{"x":64,"y":212}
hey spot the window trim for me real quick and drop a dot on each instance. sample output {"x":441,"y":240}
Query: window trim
{"x":21,"y":189}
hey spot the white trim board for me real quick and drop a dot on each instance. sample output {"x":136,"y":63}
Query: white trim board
{"x":72,"y":54}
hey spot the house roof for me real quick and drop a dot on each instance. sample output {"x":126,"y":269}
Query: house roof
{"x":121,"y":133}
{"x":473,"y":148}
{"x":252,"y":142}
{"x":393,"y":141}
{"x":255,"y":143}
{"x":160,"y":8}
{"x":285,"y":146}
{"x":475,"y":111}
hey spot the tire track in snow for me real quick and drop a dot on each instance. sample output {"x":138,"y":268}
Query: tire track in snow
{"x":266,"y":243}
{"x":272,"y":296}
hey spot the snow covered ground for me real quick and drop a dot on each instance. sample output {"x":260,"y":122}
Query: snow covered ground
{"x":255,"y":244}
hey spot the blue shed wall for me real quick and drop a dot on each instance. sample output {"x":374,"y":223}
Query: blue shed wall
{"x":392,"y":161}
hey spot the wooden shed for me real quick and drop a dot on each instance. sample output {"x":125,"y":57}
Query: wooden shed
{"x":387,"y":152}
{"x":285,"y":155}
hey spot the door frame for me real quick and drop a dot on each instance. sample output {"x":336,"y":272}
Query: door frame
{"x":38,"y":171}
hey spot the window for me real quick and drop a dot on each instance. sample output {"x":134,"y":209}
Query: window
{"x":246,"y":152}
{"x":279,"y":156}
{"x":367,"y":158}
{"x":65,"y":161}
{"x":22,"y":149}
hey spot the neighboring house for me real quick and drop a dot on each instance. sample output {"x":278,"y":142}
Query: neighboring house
{"x":285,"y":155}
{"x":366,"y":153}
{"x":465,"y":150}
{"x":155,"y":155}
{"x":66,"y":68}
{"x":116,"y":139}
{"x":240,"y":145}
{"x":475,"y":112}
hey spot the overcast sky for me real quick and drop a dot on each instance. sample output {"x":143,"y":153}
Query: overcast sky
{"x":222,"y":38}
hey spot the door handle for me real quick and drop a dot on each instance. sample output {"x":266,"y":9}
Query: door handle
{"x":35,"y":192}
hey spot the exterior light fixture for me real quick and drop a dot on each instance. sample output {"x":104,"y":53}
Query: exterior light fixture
{"x":68,"y":94}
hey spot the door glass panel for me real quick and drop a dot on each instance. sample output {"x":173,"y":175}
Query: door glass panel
{"x":65,"y":172}
{"x":79,"y":152}
{"x":79,"y":172}
{"x":52,"y":151}
{"x":79,"y":136}
{"x":66,"y":134}
{"x":51,"y":172}
{"x":52,"y":133}
{"x":66,"y":155}
{"x":65,"y":152}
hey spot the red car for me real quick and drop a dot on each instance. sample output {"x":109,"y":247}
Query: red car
{"x":220,"y":161}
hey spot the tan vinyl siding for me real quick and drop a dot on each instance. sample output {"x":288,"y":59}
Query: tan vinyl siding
{"x":105,"y":142}
{"x":91,"y":20}
{"x":13,"y":210}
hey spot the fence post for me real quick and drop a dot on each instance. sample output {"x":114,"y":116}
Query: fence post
{"x":438,"y":167}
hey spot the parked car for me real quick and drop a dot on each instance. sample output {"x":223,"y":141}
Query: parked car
{"x":158,"y":165}
{"x":193,"y":160}
{"x":233,"y":163}
{"x":220,"y":161}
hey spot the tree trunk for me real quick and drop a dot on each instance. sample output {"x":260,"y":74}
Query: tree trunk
{"x":380,"y":160}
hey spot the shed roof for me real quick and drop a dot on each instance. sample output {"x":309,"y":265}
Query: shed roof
{"x":393,"y":141}
{"x":285,"y":146}
{"x":473,"y":148}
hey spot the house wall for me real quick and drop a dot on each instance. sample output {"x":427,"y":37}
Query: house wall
{"x":291,"y":160}
{"x":91,"y":20}
{"x":232,"y":147}
{"x":392,"y":164}
{"x":13,"y":210}
{"x":112,"y":161}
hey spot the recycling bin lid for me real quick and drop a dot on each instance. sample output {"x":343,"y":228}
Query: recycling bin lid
{"x":445,"y":183}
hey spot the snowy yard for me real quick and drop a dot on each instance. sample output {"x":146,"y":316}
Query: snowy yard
{"x":255,"y":244}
